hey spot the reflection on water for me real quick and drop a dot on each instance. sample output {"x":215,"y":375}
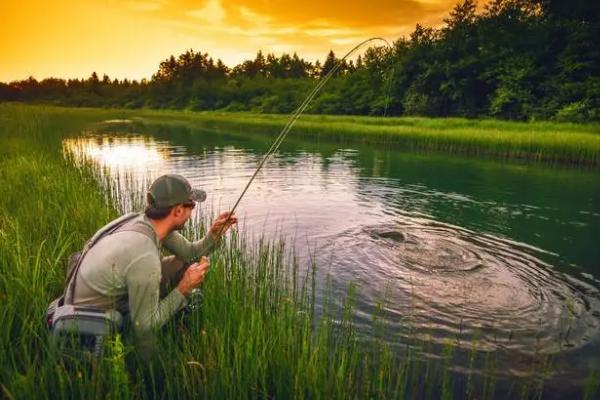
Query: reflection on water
{"x":460,"y":254}
{"x":123,"y":155}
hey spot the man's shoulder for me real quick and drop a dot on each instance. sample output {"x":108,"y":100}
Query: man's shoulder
{"x":111,"y":226}
{"x":140,"y":224}
{"x":118,"y":251}
{"x":128,"y":230}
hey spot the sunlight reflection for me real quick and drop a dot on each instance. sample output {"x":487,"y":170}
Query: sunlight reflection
{"x":127,"y":164}
{"x":126,"y":154}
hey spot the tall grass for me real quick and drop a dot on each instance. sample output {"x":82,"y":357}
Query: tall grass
{"x":257,"y":334}
{"x":539,"y":141}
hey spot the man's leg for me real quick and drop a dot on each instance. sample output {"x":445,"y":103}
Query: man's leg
{"x":172,"y":272}
{"x":172,"y":269}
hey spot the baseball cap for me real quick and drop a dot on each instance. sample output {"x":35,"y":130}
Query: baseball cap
{"x":172,"y":189}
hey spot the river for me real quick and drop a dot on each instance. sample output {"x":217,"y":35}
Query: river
{"x":504,"y":256}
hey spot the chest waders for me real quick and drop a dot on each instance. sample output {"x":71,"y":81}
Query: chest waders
{"x":87,"y":326}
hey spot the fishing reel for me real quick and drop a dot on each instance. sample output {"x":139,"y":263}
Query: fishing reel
{"x":194,"y":302}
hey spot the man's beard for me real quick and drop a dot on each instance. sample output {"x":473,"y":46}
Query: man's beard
{"x":179,"y":227}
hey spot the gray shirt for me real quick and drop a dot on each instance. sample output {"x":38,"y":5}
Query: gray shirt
{"x":123,"y":271}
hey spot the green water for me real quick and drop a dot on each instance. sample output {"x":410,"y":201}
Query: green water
{"x":506,"y":252}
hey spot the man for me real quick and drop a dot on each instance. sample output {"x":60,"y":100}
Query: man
{"x":124,"y":270}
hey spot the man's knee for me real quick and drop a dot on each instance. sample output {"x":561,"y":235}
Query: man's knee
{"x":172,"y":269}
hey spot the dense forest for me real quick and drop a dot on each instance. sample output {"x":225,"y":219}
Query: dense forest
{"x":516,"y":59}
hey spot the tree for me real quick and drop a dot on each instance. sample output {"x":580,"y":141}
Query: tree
{"x":329,"y":64}
{"x":517,"y":59}
{"x":299,"y":68}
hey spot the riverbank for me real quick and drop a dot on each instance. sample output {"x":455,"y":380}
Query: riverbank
{"x":547,"y":142}
{"x":257,"y":335}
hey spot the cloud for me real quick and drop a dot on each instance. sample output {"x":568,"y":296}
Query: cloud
{"x":211,"y":13}
{"x":144,"y":5}
{"x":350,"y":14}
{"x":343,"y":13}
{"x":330,"y":22}
{"x":130,"y":37}
{"x":227,"y":25}
{"x":252,"y":17}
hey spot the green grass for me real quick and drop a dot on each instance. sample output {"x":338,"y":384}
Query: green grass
{"x":548,"y":142}
{"x":256,"y":336}
{"x":539,"y":141}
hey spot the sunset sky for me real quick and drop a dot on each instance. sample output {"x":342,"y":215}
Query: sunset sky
{"x":128,"y":39}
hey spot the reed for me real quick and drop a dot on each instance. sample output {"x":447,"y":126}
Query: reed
{"x":257,"y":335}
{"x":547,"y":142}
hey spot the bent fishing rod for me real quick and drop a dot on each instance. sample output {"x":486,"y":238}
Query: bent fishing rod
{"x":296,"y":114}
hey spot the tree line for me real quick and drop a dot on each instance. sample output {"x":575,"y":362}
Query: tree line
{"x":516,"y":59}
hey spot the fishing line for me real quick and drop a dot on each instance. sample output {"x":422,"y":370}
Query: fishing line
{"x":296,"y":114}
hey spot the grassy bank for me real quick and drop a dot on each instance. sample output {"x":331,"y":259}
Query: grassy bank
{"x":256,"y":336}
{"x":539,"y":141}
{"x":548,"y":142}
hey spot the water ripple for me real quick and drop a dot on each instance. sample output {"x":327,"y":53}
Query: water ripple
{"x":455,"y":281}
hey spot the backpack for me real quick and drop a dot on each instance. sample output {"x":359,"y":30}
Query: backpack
{"x":64,"y":319}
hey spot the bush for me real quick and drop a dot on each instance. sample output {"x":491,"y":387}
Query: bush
{"x":578,"y":111}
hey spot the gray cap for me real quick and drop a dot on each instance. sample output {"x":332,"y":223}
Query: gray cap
{"x":172,"y":189}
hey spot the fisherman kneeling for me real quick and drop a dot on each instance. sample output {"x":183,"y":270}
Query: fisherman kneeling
{"x":120,"y":271}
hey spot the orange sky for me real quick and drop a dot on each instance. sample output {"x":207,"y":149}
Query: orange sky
{"x":128,"y":38}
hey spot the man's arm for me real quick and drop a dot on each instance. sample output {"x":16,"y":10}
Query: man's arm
{"x":192,"y":251}
{"x":188,"y":251}
{"x":148,"y":311}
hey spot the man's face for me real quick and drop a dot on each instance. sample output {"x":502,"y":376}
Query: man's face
{"x":184,"y":214}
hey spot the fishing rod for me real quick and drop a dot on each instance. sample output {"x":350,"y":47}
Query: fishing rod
{"x":296,"y":114}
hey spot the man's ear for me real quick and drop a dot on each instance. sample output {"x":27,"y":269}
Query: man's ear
{"x":176,"y":210}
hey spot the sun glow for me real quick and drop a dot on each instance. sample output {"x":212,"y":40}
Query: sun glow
{"x":128,"y":39}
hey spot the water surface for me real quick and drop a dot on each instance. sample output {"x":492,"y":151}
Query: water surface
{"x":502,"y":256}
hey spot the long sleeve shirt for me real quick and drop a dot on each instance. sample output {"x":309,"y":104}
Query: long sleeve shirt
{"x":123,"y":271}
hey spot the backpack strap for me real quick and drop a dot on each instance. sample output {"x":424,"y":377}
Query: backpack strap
{"x":106,"y":230}
{"x":139,"y":227}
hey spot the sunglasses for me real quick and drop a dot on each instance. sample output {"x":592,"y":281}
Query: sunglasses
{"x":190,"y":204}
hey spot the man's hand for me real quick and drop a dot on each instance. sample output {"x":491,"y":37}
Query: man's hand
{"x":193,"y":276}
{"x":222,"y":224}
